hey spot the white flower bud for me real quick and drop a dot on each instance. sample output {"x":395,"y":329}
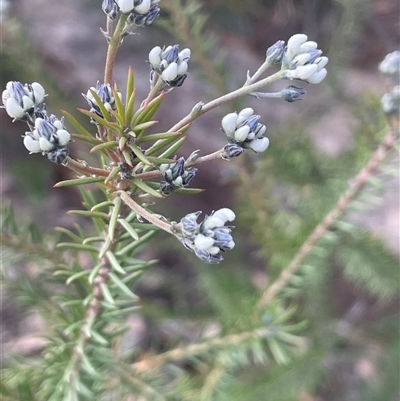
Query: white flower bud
{"x":182,"y":68}
{"x":203,"y":242}
{"x":31,"y":144}
{"x":225,"y":214}
{"x":184,"y":55}
{"x":14,"y":109}
{"x":307,"y":46}
{"x":39,"y":92}
{"x":317,"y":77}
{"x":143,"y":7}
{"x":259,"y":145}
{"x":306,"y":71}
{"x":126,"y":6}
{"x":170,"y":73}
{"x":229,"y":123}
{"x":294,"y":45}
{"x":212,"y":222}
{"x":213,"y":250}
{"x":241,"y":133}
{"x":45,"y":145}
{"x":155,"y":56}
{"x":63,"y":136}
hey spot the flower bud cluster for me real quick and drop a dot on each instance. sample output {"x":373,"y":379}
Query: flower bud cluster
{"x":175,"y":176}
{"x":244,"y":130}
{"x":49,"y":137}
{"x":23,"y":102}
{"x":106,"y":96}
{"x":170,"y":63}
{"x":302,"y":60}
{"x":209,"y":238}
{"x":390,"y":66}
{"x":390,"y":101}
{"x":26,"y":103}
{"x":140,"y":12}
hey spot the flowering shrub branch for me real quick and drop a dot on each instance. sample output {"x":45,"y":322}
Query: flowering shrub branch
{"x":137,"y":167}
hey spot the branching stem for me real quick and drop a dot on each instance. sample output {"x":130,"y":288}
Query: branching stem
{"x":245,"y":90}
{"x":357,"y":184}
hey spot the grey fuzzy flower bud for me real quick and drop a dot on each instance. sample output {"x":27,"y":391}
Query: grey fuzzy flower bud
{"x":106,"y":95}
{"x":232,"y":150}
{"x":276,"y":52}
{"x":144,"y":20}
{"x":292,"y":93}
{"x":175,"y":176}
{"x":110,"y":8}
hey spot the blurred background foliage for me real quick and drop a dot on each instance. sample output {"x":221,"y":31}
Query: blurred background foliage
{"x":347,"y":290}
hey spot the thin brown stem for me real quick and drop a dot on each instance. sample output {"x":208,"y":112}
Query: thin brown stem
{"x":357,"y":184}
{"x":113,"y":46}
{"x":85,"y":169}
{"x":143,"y":212}
{"x":246,"y":90}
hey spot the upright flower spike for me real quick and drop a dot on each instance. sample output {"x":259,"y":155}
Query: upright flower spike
{"x":302,"y":60}
{"x":175,"y":176}
{"x":209,"y":238}
{"x":106,"y":95}
{"x":243,"y":129}
{"x":22,"y":102}
{"x":170,"y":63}
{"x":49,"y":137}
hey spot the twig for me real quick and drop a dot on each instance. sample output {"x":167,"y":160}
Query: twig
{"x":113,"y":46}
{"x":84,"y":168}
{"x":143,"y":212}
{"x":246,"y":90}
{"x":386,"y":144}
{"x":175,"y":355}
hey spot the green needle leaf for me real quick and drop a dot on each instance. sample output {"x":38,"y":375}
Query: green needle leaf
{"x":79,"y":181}
{"x":77,"y":275}
{"x":146,"y":188}
{"x":107,"y":294}
{"x":80,"y":128}
{"x":114,"y":262}
{"x":131,"y":231}
{"x":122,"y":286}
{"x":114,"y":218}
